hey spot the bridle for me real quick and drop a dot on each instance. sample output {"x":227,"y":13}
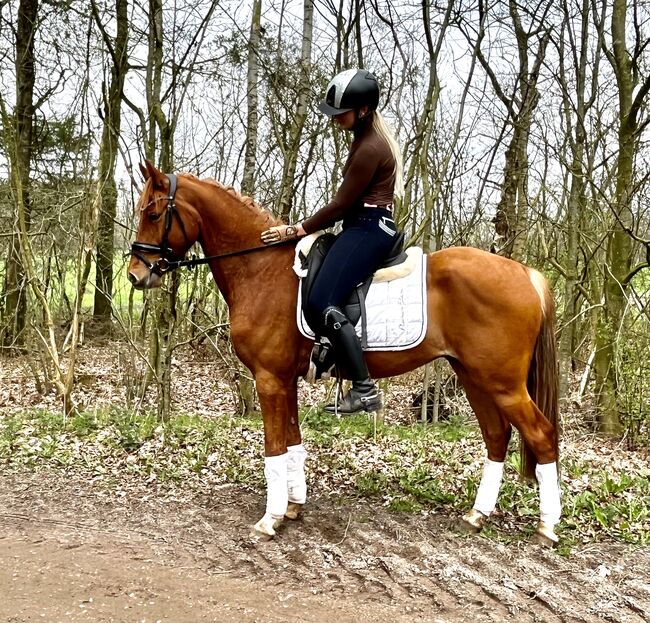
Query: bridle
{"x":168,"y":260}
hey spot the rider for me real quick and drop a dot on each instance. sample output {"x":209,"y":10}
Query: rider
{"x":364,"y":202}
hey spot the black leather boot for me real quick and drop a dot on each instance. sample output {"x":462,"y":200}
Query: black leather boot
{"x":363,"y":395}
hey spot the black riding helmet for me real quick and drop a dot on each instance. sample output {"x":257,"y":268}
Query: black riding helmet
{"x":350,"y":90}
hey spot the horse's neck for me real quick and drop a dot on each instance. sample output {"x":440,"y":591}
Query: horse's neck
{"x":230,"y":224}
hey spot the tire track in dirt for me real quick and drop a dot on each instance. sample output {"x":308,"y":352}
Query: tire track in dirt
{"x":357,"y":549}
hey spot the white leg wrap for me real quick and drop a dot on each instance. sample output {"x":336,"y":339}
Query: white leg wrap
{"x":488,"y":490}
{"x":297,"y":485}
{"x":275,"y":471}
{"x":549,"y":494}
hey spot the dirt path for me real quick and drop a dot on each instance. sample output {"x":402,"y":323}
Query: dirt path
{"x":77,"y":551}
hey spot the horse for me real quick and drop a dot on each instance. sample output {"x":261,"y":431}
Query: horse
{"x":490,"y":317}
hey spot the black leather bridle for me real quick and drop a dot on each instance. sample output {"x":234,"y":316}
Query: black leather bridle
{"x":168,"y":260}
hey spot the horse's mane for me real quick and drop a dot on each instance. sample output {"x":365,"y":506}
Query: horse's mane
{"x":245,"y":200}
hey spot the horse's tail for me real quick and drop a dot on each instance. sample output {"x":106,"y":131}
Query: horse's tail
{"x":543,"y":376}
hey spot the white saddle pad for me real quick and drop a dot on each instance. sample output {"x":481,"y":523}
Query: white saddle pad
{"x":396,"y":310}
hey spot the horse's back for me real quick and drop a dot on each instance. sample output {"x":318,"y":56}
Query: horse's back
{"x":480,"y":266}
{"x":483,"y":278}
{"x":482,"y":302}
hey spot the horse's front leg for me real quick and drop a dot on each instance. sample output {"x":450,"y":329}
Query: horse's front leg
{"x":284,"y":454}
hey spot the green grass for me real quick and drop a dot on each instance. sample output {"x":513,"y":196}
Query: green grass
{"x":122,"y":288}
{"x":405,"y":469}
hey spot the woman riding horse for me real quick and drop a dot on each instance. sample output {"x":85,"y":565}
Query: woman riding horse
{"x":491,"y":318}
{"x":364,"y":202}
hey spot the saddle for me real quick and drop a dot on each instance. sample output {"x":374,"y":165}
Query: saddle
{"x":309,"y":262}
{"x":354,"y":308}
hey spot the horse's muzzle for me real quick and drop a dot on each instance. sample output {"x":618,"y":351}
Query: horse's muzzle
{"x":144,"y":279}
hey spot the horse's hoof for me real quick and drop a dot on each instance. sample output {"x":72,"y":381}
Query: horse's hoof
{"x":257,"y":536}
{"x":464,"y":527}
{"x":264,"y":529}
{"x":294,"y":510}
{"x":472,"y":522}
{"x":545,"y":535}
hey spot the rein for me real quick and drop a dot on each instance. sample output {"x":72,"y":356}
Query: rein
{"x":168,"y":260}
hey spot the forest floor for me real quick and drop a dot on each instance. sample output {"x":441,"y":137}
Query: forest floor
{"x":71,"y":551}
{"x":77,"y":547}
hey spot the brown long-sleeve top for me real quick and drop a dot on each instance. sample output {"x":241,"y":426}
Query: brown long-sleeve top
{"x":368,"y":178}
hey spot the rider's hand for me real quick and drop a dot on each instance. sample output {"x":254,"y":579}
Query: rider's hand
{"x":280,"y":233}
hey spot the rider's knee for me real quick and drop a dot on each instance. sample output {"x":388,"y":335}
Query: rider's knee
{"x":334,"y":318}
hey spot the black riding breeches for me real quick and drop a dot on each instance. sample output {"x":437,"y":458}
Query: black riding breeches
{"x":359,"y":250}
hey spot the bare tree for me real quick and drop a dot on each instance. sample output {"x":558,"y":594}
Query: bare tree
{"x":108,"y":150}
{"x":252,"y":79}
{"x":633,"y":90}
{"x":578,"y":96}
{"x":158,"y":127}
{"x":60,"y":372}
{"x":520,"y":102}
{"x":15,"y":288}
{"x":291,"y":144}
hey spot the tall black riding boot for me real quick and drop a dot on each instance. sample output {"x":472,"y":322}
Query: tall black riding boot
{"x":363,"y":395}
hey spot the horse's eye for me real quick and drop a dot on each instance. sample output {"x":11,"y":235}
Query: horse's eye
{"x":153,"y":217}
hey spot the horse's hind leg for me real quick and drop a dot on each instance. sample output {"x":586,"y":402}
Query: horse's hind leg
{"x":540,"y":435}
{"x":496,"y":433}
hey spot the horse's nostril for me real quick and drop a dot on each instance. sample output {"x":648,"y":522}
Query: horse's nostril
{"x":133,"y":279}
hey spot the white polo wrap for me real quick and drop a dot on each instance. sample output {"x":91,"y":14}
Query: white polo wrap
{"x":488,"y":490}
{"x":550,"y":507}
{"x":275,"y":471}
{"x":297,"y":485}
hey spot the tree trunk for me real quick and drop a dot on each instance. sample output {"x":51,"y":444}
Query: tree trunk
{"x":164,"y":301}
{"x":292,"y":146}
{"x":619,"y":248}
{"x":511,"y":218}
{"x":250,"y":157}
{"x":243,"y":379}
{"x":419,"y":166}
{"x":575,"y":114}
{"x":15,"y":289}
{"x":107,"y":158}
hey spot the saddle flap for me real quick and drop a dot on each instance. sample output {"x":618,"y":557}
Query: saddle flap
{"x":310,"y":255}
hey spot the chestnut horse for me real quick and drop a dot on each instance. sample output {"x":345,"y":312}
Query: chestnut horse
{"x":490,"y":317}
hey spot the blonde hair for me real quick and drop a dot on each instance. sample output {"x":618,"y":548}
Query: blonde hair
{"x":386,"y":133}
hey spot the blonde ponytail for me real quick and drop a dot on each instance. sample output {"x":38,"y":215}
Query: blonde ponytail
{"x":386,"y":133}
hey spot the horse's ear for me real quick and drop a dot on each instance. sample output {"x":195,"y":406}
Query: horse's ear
{"x":157,"y":177}
{"x":143,"y":170}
